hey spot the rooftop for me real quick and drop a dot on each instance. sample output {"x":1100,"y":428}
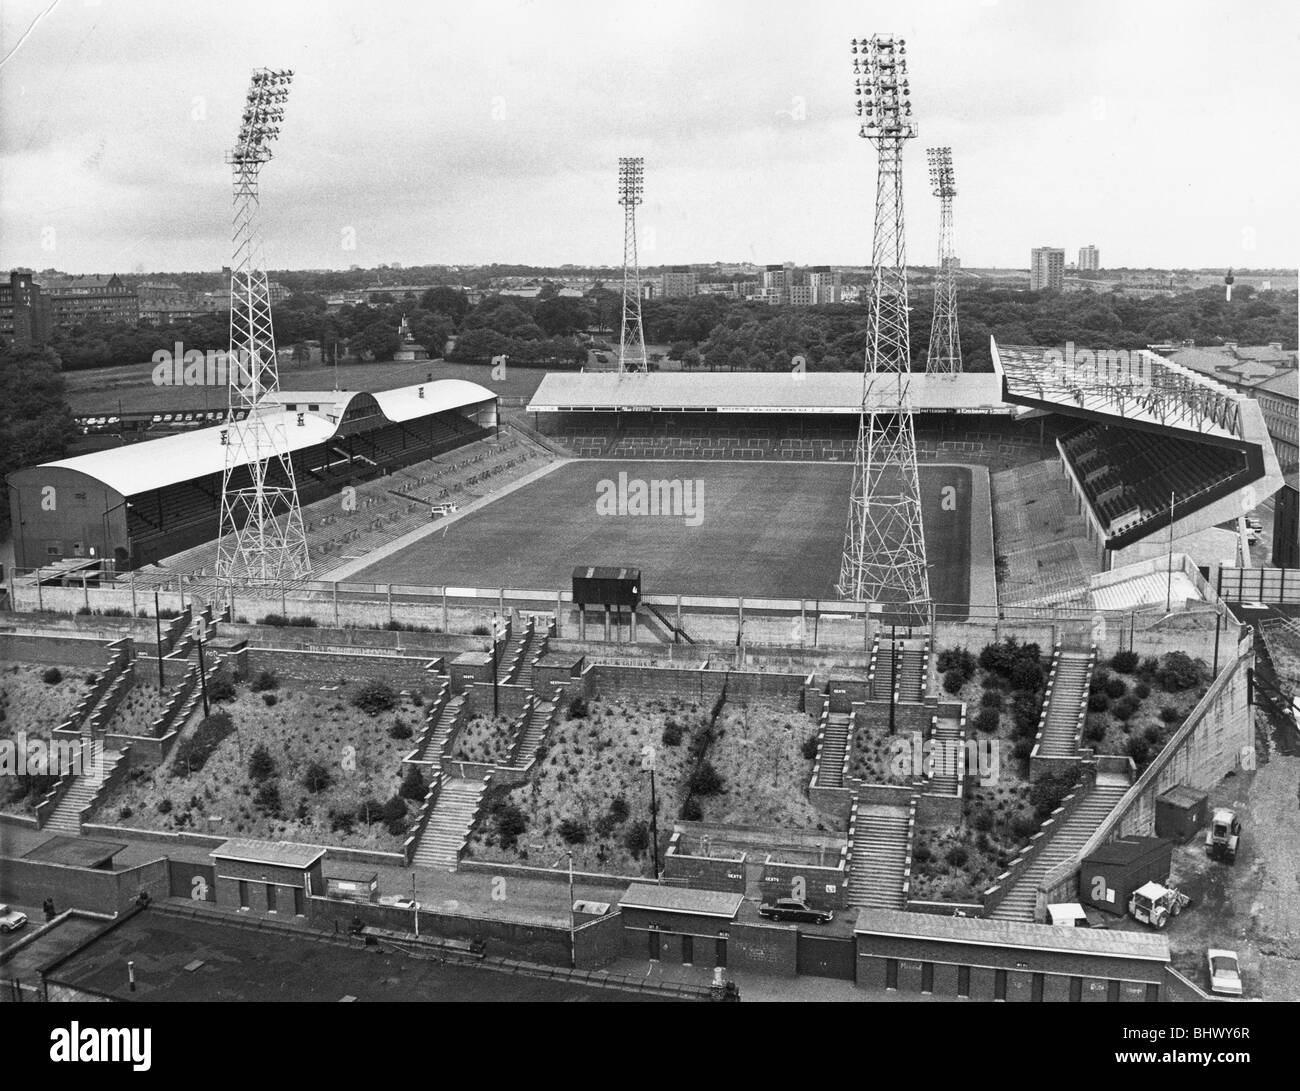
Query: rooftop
{"x":682,"y":899}
{"x":285,"y":853}
{"x":75,"y":852}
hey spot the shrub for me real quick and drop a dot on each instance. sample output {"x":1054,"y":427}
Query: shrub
{"x":673,"y":732}
{"x":692,"y":811}
{"x":1148,"y":667}
{"x":164,"y":806}
{"x":508,"y":822}
{"x":1178,"y":671}
{"x":1024,"y":825}
{"x":921,"y":853}
{"x":1095,"y":730}
{"x":1170,"y":715}
{"x":1098,"y":702}
{"x":261,"y":766}
{"x":578,"y":708}
{"x":1124,"y":662}
{"x":125,"y":813}
{"x":618,"y":809}
{"x":413,"y":785}
{"x":637,"y":838}
{"x":1124,"y":708}
{"x":91,"y":679}
{"x":270,"y":700}
{"x":374,"y":696}
{"x":1141,"y":691}
{"x":52,"y":676}
{"x":221,"y":688}
{"x":705,"y":781}
{"x":1116,"y":688}
{"x":953,"y":680}
{"x":1022,"y":749}
{"x":605,"y":825}
{"x":263,"y":681}
{"x":1152,"y":734}
{"x":809,"y":748}
{"x":987,"y":721}
{"x":1025,"y":709}
{"x":400,"y":729}
{"x":194,"y":751}
{"x":991,"y":698}
{"x":1045,"y":794}
{"x":1027,"y":676}
{"x":1137,"y":748}
{"x":983,"y":820}
{"x":316,"y":777}
{"x":480,"y":630}
{"x":957,"y":856}
{"x":267,"y":797}
{"x":573,"y":832}
{"x":84,"y":611}
{"x":1099,"y":679}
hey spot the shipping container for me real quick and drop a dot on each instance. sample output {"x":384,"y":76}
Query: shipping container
{"x":1115,"y":870}
{"x":1180,"y":812}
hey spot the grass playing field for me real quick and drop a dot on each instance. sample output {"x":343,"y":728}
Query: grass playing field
{"x":761,"y":530}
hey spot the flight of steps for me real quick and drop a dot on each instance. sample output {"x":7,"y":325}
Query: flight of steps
{"x":1064,"y":706}
{"x":534,"y":731}
{"x":66,"y":816}
{"x":534,"y":642}
{"x":442,"y":729}
{"x":1019,"y":903}
{"x":946,"y":735}
{"x":448,"y":828}
{"x":912,"y":671}
{"x":880,"y":850}
{"x":830,"y":758}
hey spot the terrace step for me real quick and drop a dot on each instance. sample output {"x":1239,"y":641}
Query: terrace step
{"x":449,"y":825}
{"x":830,"y":755}
{"x":880,"y":852}
{"x":534,"y":733}
{"x":441,"y":732}
{"x":946,"y":736}
{"x":66,"y":816}
{"x":1069,"y":690}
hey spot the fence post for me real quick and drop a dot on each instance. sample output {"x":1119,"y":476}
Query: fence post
{"x":336,"y":604}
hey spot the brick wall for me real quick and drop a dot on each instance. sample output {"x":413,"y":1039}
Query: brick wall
{"x":32,"y":881}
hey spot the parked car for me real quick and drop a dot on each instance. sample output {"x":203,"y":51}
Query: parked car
{"x":791,"y":909}
{"x":1225,"y":972}
{"x":10,"y":919}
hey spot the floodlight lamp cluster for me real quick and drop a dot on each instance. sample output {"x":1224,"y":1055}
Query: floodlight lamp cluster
{"x":882,"y":90}
{"x":263,"y":111}
{"x":942,"y":177}
{"x":631,"y":180}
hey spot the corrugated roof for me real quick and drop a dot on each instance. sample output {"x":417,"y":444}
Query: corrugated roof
{"x":994,"y":933}
{"x":755,"y":392}
{"x":681,"y":899}
{"x":154,"y":464}
{"x":284,"y":853}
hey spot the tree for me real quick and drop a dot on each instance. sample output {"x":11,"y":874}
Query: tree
{"x":562,"y":316}
{"x":378,"y":340}
{"x":35,"y":422}
{"x":261,"y":766}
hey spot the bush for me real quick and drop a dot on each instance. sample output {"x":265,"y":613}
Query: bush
{"x":1024,"y":825}
{"x":261,"y":766}
{"x":1116,"y":688}
{"x":1124,"y":662}
{"x":578,"y":708}
{"x":164,"y":806}
{"x":263,"y":681}
{"x":125,"y":813}
{"x":91,"y":679}
{"x":618,"y":809}
{"x":400,"y":729}
{"x":194,"y":751}
{"x":987,"y":721}
{"x":957,"y":856}
{"x":705,"y":781}
{"x":957,"y":659}
{"x":1170,"y":715}
{"x":1178,"y":671}
{"x":316,"y":777}
{"x":1046,"y":793}
{"x":1099,"y":679}
{"x":637,"y":838}
{"x":1124,"y":708}
{"x":692,"y":811}
{"x":1022,"y":749}
{"x":508,"y":823}
{"x":480,"y":630}
{"x":270,"y":700}
{"x":809,"y":748}
{"x":267,"y":797}
{"x":991,"y":698}
{"x":673,"y":732}
{"x":374,"y":696}
{"x":413,"y":785}
{"x":1027,"y":676}
{"x":983,"y":820}
{"x":573,"y":832}
{"x":1148,"y":667}
{"x":1098,"y":702}
{"x":1137,"y":748}
{"x":1095,"y":730}
{"x":921,"y":853}
{"x":1025,"y":710}
{"x":52,"y":676}
{"x":953,"y":681}
{"x":1141,"y":691}
{"x":221,"y":688}
{"x":1152,"y":734}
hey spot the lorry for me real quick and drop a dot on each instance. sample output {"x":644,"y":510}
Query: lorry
{"x":1223,"y":838}
{"x":1155,"y":904}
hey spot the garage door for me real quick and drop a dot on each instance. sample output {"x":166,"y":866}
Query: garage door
{"x":826,"y":956}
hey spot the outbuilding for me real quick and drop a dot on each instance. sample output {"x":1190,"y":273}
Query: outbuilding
{"x":1180,"y":812}
{"x":678,"y":924}
{"x":267,"y":876}
{"x":1110,"y":875}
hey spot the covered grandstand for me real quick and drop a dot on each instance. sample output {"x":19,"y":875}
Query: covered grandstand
{"x":132,"y":505}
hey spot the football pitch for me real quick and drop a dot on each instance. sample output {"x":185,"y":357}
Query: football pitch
{"x":732,"y":529}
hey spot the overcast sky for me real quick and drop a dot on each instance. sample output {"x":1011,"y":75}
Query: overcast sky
{"x":1162,"y":132}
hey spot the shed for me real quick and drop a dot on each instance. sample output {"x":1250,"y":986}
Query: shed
{"x":355,"y":884}
{"x":1180,"y":812}
{"x":267,"y":876}
{"x":1114,"y":871}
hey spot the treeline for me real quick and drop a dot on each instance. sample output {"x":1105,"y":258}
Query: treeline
{"x":35,"y":423}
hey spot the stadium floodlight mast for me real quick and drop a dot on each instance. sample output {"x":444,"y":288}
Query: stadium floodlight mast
{"x":944,"y":357}
{"x":884,"y":551}
{"x":262,"y":542}
{"x":631,"y":338}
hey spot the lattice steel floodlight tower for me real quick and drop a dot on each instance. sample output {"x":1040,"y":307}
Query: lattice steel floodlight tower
{"x":884,"y":551}
{"x":631,"y":338}
{"x":262,"y":541}
{"x":944,"y":357}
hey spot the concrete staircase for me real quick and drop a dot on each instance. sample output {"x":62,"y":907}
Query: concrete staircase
{"x":912,"y":671}
{"x":66,"y":816}
{"x":448,"y":828}
{"x":880,"y":852}
{"x":442,"y":729}
{"x":946,"y":734}
{"x":1065,"y":705}
{"x":534,"y":643}
{"x":534,"y":731}
{"x":1021,"y":899}
{"x":834,"y":745}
